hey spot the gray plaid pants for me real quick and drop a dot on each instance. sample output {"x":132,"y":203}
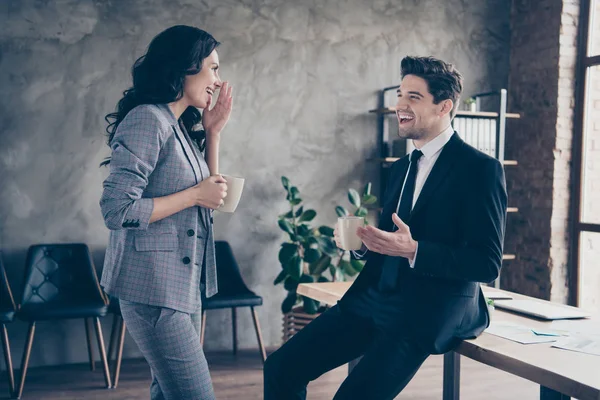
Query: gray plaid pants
{"x":170,"y":342}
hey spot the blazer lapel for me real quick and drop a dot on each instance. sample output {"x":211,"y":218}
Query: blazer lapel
{"x":442,"y":166}
{"x":189,"y":153}
{"x":394,"y":195}
{"x":191,"y":157}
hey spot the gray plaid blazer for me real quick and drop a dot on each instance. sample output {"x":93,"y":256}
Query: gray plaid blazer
{"x":160,"y":263}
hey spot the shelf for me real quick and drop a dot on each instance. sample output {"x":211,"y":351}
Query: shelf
{"x":508,"y":256}
{"x":390,"y":160}
{"x":466,"y":114}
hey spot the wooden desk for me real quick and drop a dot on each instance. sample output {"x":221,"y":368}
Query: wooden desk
{"x":560,"y":373}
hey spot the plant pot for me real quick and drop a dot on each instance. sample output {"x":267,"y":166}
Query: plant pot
{"x":294,"y":321}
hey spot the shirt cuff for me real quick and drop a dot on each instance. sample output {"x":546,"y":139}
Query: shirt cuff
{"x":412,"y":262}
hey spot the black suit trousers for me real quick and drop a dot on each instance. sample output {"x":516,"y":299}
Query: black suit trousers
{"x":336,"y":337}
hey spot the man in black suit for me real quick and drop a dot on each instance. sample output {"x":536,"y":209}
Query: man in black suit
{"x":440,"y":234}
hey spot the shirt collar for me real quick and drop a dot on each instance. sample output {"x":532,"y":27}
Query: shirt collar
{"x":435,"y":145}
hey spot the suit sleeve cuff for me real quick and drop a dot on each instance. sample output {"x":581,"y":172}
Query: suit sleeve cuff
{"x":138,"y":216}
{"x":414,"y":260}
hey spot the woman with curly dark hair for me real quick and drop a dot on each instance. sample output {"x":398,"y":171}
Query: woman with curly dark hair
{"x":158,"y":202}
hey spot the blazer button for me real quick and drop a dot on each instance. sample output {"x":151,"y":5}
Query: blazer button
{"x":186,"y":260}
{"x":191,"y":233}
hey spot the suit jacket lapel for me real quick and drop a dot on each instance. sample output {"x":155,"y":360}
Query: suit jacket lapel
{"x":191,"y":157}
{"x":442,"y":167}
{"x":189,"y":153}
{"x":393,"y":195}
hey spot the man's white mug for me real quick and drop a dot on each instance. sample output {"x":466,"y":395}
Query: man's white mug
{"x":235,"y":185}
{"x":347,"y":227}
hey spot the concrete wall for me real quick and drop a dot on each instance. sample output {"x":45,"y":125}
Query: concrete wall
{"x":304,"y":72}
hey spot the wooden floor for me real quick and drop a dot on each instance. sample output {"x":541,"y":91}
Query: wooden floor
{"x":241,"y":378}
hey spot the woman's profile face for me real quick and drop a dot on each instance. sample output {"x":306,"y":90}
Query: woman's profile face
{"x":198,"y":89}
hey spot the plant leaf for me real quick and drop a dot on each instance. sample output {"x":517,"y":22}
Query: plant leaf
{"x":287,"y":251}
{"x":303,"y":230}
{"x":286,"y":226}
{"x":369,"y":199}
{"x":299,"y":212}
{"x":295,"y":202}
{"x":361,"y":212}
{"x":308,"y":215}
{"x":306,"y":279}
{"x":312,"y":255}
{"x":295,"y":267}
{"x":346,"y":267}
{"x":327,"y":245}
{"x":311,"y":240}
{"x":288,"y":214}
{"x":332,"y":270}
{"x":341,"y":211}
{"x":285,"y":182}
{"x":290,"y":284}
{"x":280,"y":278}
{"x":354,"y":197}
{"x":294,"y":192}
{"x":320,"y":266}
{"x":326,"y":231}
{"x":357,"y":265}
{"x":310,"y":306}
{"x":367,"y":189}
{"x":289,"y":302}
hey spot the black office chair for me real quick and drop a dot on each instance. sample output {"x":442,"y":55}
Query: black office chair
{"x":61,"y":283}
{"x":233,"y":293}
{"x":8,"y":308}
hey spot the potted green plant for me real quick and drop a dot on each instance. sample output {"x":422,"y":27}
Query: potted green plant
{"x":471,"y":104}
{"x":310,"y":254}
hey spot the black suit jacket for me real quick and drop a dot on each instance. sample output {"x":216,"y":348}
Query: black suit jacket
{"x":459,"y":222}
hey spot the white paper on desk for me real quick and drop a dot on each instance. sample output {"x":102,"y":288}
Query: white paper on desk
{"x":581,"y":344}
{"x":576,"y":327}
{"x":518,"y":333}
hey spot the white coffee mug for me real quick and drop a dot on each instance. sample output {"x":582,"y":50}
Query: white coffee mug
{"x":235,"y":185}
{"x":347,"y":227}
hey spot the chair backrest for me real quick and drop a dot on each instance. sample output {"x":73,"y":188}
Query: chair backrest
{"x":7,"y":301}
{"x":228,"y":271}
{"x":60,"y":273}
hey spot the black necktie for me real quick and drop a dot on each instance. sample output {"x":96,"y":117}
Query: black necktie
{"x":389,"y":272}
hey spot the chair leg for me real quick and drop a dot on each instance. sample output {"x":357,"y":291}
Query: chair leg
{"x":119,"y":354}
{"x":202,"y":328}
{"x":261,"y":346}
{"x":88,"y":335}
{"x":102,"y":351}
{"x":8,"y":360}
{"x":25,"y":361}
{"x":113,"y":333}
{"x":234,"y":329}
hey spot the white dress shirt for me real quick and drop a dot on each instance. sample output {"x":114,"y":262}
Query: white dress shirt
{"x":431,"y":152}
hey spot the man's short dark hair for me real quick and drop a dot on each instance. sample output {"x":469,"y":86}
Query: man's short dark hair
{"x":443,"y":79}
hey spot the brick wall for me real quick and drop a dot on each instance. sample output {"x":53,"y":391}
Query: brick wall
{"x":541,"y":88}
